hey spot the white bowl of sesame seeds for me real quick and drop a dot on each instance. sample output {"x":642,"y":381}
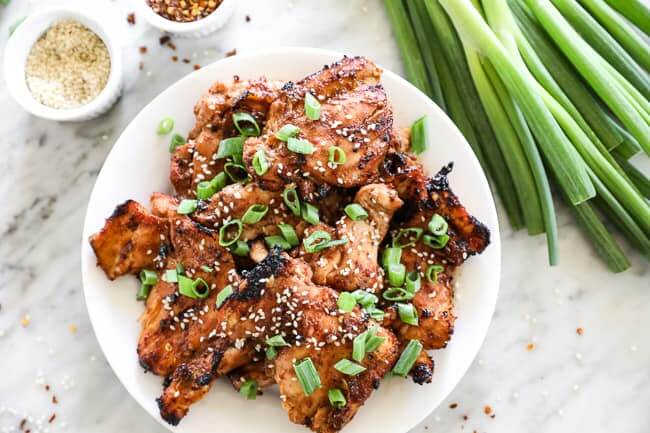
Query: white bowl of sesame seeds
{"x":64,"y":64}
{"x":195,"y":28}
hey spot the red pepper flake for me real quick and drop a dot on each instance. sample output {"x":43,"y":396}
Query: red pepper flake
{"x":487,"y":409}
{"x":164,"y":39}
{"x":47,"y":387}
{"x":22,"y":423}
{"x":186,"y":60}
{"x":231,"y":53}
{"x":171,"y":45}
{"x":530,"y":347}
{"x":54,"y":399}
{"x":493,"y":416}
{"x":580,"y":331}
{"x":130,"y":18}
{"x":197,"y":67}
{"x":174,"y":58}
{"x":248,"y":18}
{"x":143,"y":49}
{"x":51,"y":418}
{"x":453,"y":406}
{"x":465,"y":417}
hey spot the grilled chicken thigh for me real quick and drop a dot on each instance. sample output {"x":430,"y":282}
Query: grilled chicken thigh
{"x":354,"y":265}
{"x":132,"y":239}
{"x":354,"y":116}
{"x":196,"y":160}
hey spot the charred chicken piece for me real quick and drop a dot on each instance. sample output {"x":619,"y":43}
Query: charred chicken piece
{"x":132,"y":239}
{"x":196,"y":160}
{"x":174,"y":326}
{"x":354,"y":116}
{"x":353,"y":265}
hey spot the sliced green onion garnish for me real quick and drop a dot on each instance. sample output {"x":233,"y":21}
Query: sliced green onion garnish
{"x":236,"y":172}
{"x":438,"y":225}
{"x":143,"y":292}
{"x":356,"y":212}
{"x":391,"y":256}
{"x":307,"y":376}
{"x":435,"y":242}
{"x":407,"y":237}
{"x":408,"y":314}
{"x":373,"y":342}
{"x":249,"y":389}
{"x":271,"y":353}
{"x":348,"y":367}
{"x":240,"y":248}
{"x":363,"y":298}
{"x":276,"y":341}
{"x":346,"y":302}
{"x":396,"y":274}
{"x":433,"y":271}
{"x":260,"y":164}
{"x":375,"y":313}
{"x":309,"y":213}
{"x":187,"y":207}
{"x":254,"y":214}
{"x":277,"y":241}
{"x":185,"y":286}
{"x":207,"y":188}
{"x":176,"y":141}
{"x":246,"y":124}
{"x":336,"y":397}
{"x":289,"y":234}
{"x":231,"y":147}
{"x":291,"y":199}
{"x":420,"y":135}
{"x":287,"y":131}
{"x":298,"y":145}
{"x":148,"y":277}
{"x":413,"y":282}
{"x":226,"y":235}
{"x":397,"y":294}
{"x":312,"y":107}
{"x":206,"y":268}
{"x":200,"y":288}
{"x":359,"y":346}
{"x":407,"y":358}
{"x":336,"y":155}
{"x":165,"y":126}
{"x":320,"y":240}
{"x":224,"y":294}
{"x":170,"y":276}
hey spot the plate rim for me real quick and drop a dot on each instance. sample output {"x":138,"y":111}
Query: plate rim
{"x":495,"y":233}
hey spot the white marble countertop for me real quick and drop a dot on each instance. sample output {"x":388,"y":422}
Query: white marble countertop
{"x":597,"y":382}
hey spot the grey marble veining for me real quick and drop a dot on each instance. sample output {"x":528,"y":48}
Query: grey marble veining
{"x":598,"y":382}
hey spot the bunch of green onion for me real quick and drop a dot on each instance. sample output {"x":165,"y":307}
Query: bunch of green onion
{"x":547,"y":93}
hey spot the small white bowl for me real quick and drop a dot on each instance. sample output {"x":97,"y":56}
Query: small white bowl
{"x":192,"y":29}
{"x":20,"y":44}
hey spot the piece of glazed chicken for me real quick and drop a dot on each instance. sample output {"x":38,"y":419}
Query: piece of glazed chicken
{"x":278,"y":298}
{"x":196,"y":160}
{"x":355,"y":117}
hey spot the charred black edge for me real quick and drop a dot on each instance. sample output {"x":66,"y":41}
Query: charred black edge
{"x":256,"y":278}
{"x":169,"y":417}
{"x":440,"y":182}
{"x":422,"y":373}
{"x":122,"y":209}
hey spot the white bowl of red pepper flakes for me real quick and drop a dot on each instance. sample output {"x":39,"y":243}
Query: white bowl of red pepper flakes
{"x":63,"y":64}
{"x":187,"y":18}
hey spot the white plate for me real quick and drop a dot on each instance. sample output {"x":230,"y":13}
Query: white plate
{"x":138,"y":165}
